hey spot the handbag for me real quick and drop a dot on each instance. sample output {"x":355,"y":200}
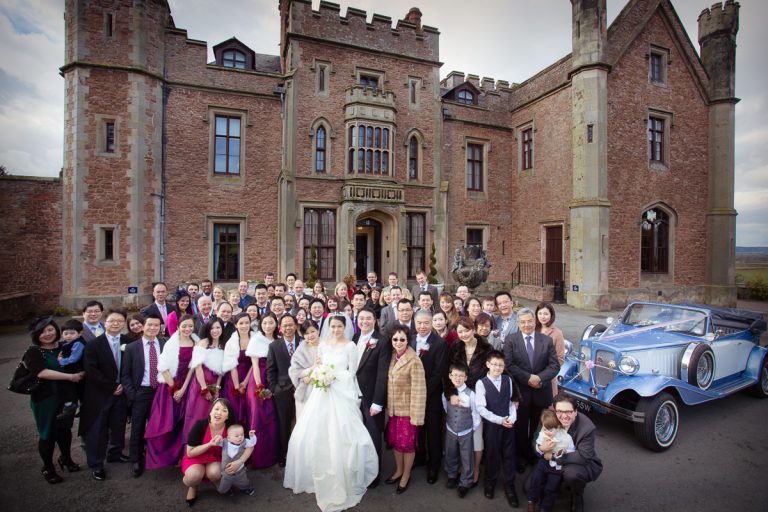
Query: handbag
{"x":24,"y":381}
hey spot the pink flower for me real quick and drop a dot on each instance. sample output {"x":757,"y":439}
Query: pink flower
{"x":589,"y":364}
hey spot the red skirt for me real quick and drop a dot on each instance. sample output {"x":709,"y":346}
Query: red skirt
{"x":212,"y":455}
{"x":401,"y":435}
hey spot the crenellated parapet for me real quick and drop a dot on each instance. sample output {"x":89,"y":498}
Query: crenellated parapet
{"x":718,"y":27}
{"x":484,"y":84}
{"x":409,"y":37}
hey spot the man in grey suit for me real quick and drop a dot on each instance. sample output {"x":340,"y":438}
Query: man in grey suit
{"x":389,"y":313}
{"x":423,"y":286}
{"x":505,"y":323}
{"x":92,"y":326}
{"x":531,"y":361}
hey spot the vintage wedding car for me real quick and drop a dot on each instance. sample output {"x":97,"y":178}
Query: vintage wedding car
{"x":655,"y":356}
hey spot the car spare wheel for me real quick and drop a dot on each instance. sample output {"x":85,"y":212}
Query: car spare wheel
{"x":593,"y":330}
{"x":659,"y":429}
{"x":698,"y":365}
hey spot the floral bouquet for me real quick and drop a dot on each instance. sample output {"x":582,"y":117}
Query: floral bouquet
{"x":262,"y":392}
{"x":322,"y":376}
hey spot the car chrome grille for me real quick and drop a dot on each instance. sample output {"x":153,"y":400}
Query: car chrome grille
{"x":583,"y":370}
{"x":603,"y":374}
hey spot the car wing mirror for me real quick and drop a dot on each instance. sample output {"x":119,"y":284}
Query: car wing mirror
{"x":758,"y":327}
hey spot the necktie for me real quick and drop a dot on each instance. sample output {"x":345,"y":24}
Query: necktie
{"x":115,"y":346}
{"x":290,"y":348}
{"x":205,"y":320}
{"x":163,"y":312}
{"x":529,"y":349}
{"x":152,"y":365}
{"x":98,"y":331}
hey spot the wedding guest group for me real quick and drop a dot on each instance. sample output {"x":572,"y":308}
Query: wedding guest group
{"x":296,"y":379}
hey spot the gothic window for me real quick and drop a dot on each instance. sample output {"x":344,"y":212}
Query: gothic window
{"x":227,"y":145}
{"x":321,"y":78}
{"x":415,"y":241}
{"x":226,"y":252}
{"x":475,"y":167}
{"x":109,"y":137}
{"x":413,"y":158}
{"x":233,"y":59}
{"x":654,"y":252}
{"x":658,"y":60}
{"x":320,"y":165}
{"x":465,"y":97}
{"x":369,"y":149}
{"x":320,"y":233}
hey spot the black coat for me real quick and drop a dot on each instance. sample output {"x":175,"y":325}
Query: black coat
{"x":132,"y":367}
{"x":545,"y":365}
{"x":435,"y":362}
{"x":101,"y":378}
{"x":278,"y":362}
{"x":372,"y":371}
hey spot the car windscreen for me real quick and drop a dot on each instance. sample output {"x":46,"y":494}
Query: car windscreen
{"x":669,"y":318}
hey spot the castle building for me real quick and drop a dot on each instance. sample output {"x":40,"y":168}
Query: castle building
{"x":612,"y":169}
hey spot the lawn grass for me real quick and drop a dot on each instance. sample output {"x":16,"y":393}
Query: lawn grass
{"x":744,"y":274}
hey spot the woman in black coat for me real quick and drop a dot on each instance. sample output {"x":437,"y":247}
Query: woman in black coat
{"x":46,"y":401}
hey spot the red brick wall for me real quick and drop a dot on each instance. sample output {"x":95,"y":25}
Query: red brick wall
{"x":30,"y":241}
{"x":632,"y":186}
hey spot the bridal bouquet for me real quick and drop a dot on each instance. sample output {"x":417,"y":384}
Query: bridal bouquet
{"x":262,"y":392}
{"x":322,"y":377}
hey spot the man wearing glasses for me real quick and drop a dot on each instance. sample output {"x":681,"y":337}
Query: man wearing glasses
{"x":583,"y":465}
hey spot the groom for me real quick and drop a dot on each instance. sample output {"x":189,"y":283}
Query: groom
{"x":372,"y":378}
{"x":278,"y":361}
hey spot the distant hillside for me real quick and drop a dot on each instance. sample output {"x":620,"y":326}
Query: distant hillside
{"x":748,"y":257}
{"x":753,"y":250}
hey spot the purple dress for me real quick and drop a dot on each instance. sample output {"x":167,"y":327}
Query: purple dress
{"x":229,"y":392}
{"x":166,"y":419}
{"x":262,"y":418}
{"x":197,"y":406}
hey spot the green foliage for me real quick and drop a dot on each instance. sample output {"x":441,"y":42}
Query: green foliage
{"x":432,"y":277}
{"x":755,"y":288}
{"x":312,"y":268}
{"x":62,"y":311}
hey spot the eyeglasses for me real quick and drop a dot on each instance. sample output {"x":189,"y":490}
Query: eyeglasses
{"x":115,"y":321}
{"x":564,"y":412}
{"x":399,"y":339}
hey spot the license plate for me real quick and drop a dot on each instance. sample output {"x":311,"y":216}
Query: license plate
{"x":583,"y":406}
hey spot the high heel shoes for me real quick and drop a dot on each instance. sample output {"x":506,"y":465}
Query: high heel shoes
{"x":402,"y":488}
{"x":191,"y":501}
{"x":70,"y":465}
{"x":51,"y":476}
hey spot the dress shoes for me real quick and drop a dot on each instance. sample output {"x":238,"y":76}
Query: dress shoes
{"x":402,"y":488}
{"x":99,"y":475}
{"x":431,"y":478}
{"x":374,"y":484}
{"x":452,"y":483}
{"x":51,"y":476}
{"x":191,"y":501}
{"x":392,"y":480}
{"x":70,"y":465}
{"x":462,"y":491}
{"x":577,"y":502}
{"x":121,"y":458}
{"x":136,"y":469}
{"x":512,"y":498}
{"x":488,"y":493}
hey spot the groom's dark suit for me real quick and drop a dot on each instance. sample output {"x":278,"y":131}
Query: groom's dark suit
{"x":372,"y":379}
{"x":278,"y":362}
{"x":546,"y":366}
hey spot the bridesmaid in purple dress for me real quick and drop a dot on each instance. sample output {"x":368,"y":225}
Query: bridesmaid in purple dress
{"x":166,"y":420}
{"x":261,"y":409}
{"x":207,"y":357}
{"x":237,"y":367}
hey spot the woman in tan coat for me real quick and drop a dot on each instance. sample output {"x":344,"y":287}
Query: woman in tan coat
{"x":406,"y":400}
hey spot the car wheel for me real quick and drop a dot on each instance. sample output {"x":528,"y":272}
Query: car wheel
{"x":593,"y":330}
{"x":760,"y":389}
{"x":701,"y":369}
{"x":659,"y":429}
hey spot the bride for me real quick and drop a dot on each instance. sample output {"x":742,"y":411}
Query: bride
{"x":330,"y":452}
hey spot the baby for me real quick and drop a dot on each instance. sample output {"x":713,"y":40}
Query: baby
{"x":548,"y":473}
{"x":235,"y":452}
{"x":70,"y":360}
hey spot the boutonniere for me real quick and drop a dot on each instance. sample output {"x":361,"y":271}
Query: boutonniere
{"x":122,"y":347}
{"x":371,"y":344}
{"x":423,"y":350}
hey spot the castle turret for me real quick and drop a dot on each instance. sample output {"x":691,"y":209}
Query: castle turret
{"x":589,"y":208}
{"x":717,"y":37}
{"x":115,"y":52}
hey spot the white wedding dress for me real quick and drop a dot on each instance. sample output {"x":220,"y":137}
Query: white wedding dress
{"x":330,"y":452}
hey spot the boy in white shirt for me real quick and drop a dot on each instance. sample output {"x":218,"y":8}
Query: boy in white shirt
{"x":461,"y":420}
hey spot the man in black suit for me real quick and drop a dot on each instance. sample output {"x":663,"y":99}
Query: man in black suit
{"x":372,"y":377}
{"x":531,"y":361}
{"x":244,"y":299}
{"x":139,"y":377}
{"x":583,"y":465}
{"x":423,"y":286}
{"x":298,"y":291}
{"x":373,"y":279}
{"x":262,"y":299}
{"x":159,"y":307}
{"x":358,"y":303}
{"x":433,"y":352}
{"x":278,"y":361}
{"x":103,"y":412}
{"x":206,"y":314}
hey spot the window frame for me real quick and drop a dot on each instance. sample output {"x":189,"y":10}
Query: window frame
{"x":323,"y":273}
{"x":214,"y":223}
{"x":666,"y":119}
{"x":412,"y":246}
{"x":225,"y":59}
{"x":378,"y":134}
{"x":101,"y":256}
{"x":361,"y":74}
{"x":650,"y":262}
{"x":102,"y":123}
{"x":526,"y":148}
{"x":473,"y":187}
{"x":476,"y":229}
{"x":323,"y":71}
{"x":462,"y":99}
{"x":414,"y":160}
{"x":210,"y":118}
{"x":414,"y":92}
{"x":664,"y":60}
{"x":321,"y":146}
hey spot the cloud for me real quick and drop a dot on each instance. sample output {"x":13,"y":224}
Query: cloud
{"x":21,"y":25}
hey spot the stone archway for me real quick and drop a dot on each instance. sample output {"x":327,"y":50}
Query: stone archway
{"x":372,"y":240}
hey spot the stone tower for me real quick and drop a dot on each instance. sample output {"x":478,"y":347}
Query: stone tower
{"x":113,"y":151}
{"x":717,"y":37}
{"x":589,"y":207}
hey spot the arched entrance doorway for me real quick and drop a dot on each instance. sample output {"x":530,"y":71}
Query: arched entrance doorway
{"x":367,"y":247}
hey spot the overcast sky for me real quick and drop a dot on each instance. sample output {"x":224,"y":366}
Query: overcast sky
{"x":504,"y":39}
